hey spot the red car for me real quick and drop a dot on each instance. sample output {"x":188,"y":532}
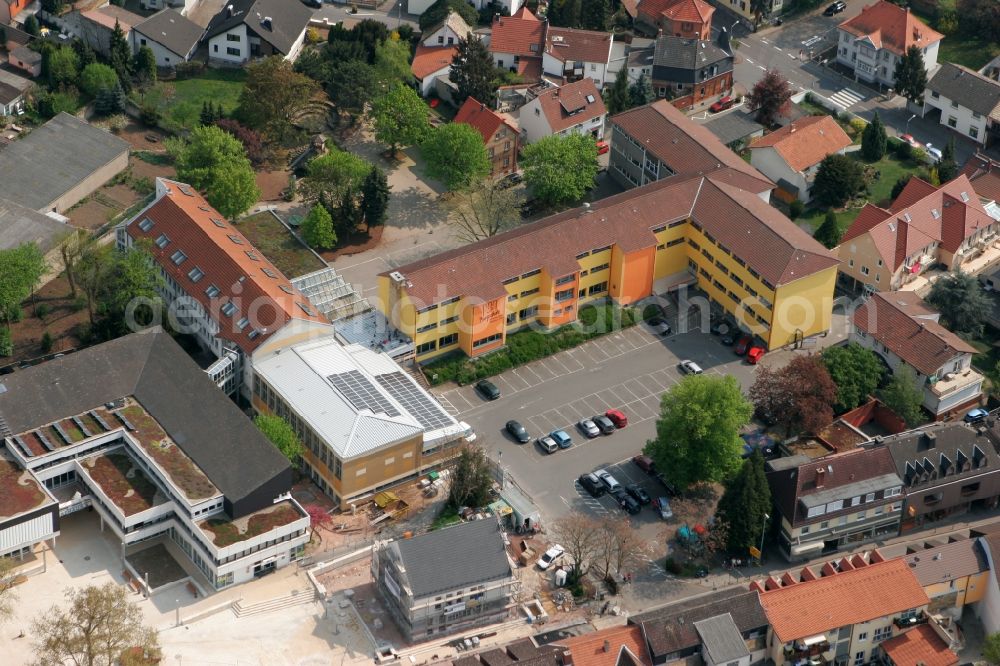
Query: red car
{"x":617,"y":417}
{"x":723,"y":104}
{"x":602,"y":147}
{"x":743,"y":344}
{"x":645,"y":463}
{"x":754,"y":354}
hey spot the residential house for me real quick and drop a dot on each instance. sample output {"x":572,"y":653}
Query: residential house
{"x":97,"y":25}
{"x":182,"y":6}
{"x":516,"y":43}
{"x":245,"y":30}
{"x":16,"y":37}
{"x":691,"y":72}
{"x":365,"y":423}
{"x":952,"y":574}
{"x":736,"y":129}
{"x":680,"y":18}
{"x":983,"y":172}
{"x":500,"y":135}
{"x":25,"y":60}
{"x":446,"y":581}
{"x":872,"y":42}
{"x":904,"y":331}
{"x":11,"y":8}
{"x":791,"y":155}
{"x":58,"y":164}
{"x":571,"y":55}
{"x":436,"y":51}
{"x":19,"y":225}
{"x":134,"y":431}
{"x":947,"y":469}
{"x":222,"y":289}
{"x":965,"y":101}
{"x":574,"y":108}
{"x":508,"y":7}
{"x":744,"y":9}
{"x":839,"y":613}
{"x":612,"y":646}
{"x":885,"y":249}
{"x":919,"y":646}
{"x":639,"y":59}
{"x":172,"y":37}
{"x":13,"y":93}
{"x":677,"y":633}
{"x":838,"y":501}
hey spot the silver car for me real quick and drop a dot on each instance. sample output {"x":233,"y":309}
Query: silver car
{"x":588,"y":428}
{"x":690,"y":368}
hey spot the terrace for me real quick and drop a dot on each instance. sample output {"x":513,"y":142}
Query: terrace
{"x":19,"y":491}
{"x":65,"y":432}
{"x":224,"y":532}
{"x":124,"y":482}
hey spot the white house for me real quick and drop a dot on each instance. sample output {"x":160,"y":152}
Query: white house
{"x":965,"y":101}
{"x":510,"y":7}
{"x":873,"y":42}
{"x":172,"y":37}
{"x":575,"y":108}
{"x":447,"y":33}
{"x":245,"y":30}
{"x":571,"y":55}
{"x":182,"y":6}
{"x":13,"y":89}
{"x":791,"y":156}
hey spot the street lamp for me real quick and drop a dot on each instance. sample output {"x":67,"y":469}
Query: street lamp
{"x":763,"y":527}
{"x":906,"y":129}
{"x":500,"y":467}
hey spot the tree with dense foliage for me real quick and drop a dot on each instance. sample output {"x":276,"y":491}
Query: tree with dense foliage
{"x":144,"y":67}
{"x":911,"y":75}
{"x":392,"y":62}
{"x":698,"y":431}
{"x":352,"y":85}
{"x":252,"y":141}
{"x":375,"y":197}
{"x":210,"y":113}
{"x":594,"y":14}
{"x":829,"y":232}
{"x":991,"y":644}
{"x":319,"y":517}
{"x":903,"y":396}
{"x":798,"y":396}
{"x":21,"y":268}
{"x":471,"y":479}
{"x":641,"y":92}
{"x":838,"y":178}
{"x":63,"y":67}
{"x":874,"y":140}
{"x":962,"y":302}
{"x":120,"y":287}
{"x":84,"y":52}
{"x":856,"y":371}
{"x":980,"y":19}
{"x":97,"y":627}
{"x":745,"y":505}
{"x":215,"y":162}
{"x":281,"y":435}
{"x":560,"y":168}
{"x":369,"y":33}
{"x":317,"y":229}
{"x":769,"y":97}
{"x":898,"y":186}
{"x":53,"y":6}
{"x":456,"y":155}
{"x":565,"y":13}
{"x":272,"y":95}
{"x":110,"y":101}
{"x":617,"y":98}
{"x":120,"y":55}
{"x":331,"y":174}
{"x":472,"y":71}
{"x":438,"y":12}
{"x":947,"y":168}
{"x":483,"y":211}
{"x":96,"y":77}
{"x":31,"y":26}
{"x":400,"y":118}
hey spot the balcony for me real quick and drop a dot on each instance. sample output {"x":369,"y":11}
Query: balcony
{"x":952,"y":382}
{"x":809,"y":651}
{"x":909,"y":622}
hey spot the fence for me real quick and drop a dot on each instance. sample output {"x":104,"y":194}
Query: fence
{"x":334,"y":553}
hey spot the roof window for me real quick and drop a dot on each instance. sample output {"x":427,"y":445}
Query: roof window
{"x":146,"y":224}
{"x":196,"y":274}
{"x":162,"y":241}
{"x":178,"y":257}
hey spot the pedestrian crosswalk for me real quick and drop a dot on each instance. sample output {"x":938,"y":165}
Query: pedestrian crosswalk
{"x":846,"y":98}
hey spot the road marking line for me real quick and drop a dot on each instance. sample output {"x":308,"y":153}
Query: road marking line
{"x":791,"y":56}
{"x":779,"y":49}
{"x":749,"y":61}
{"x":763,"y":69}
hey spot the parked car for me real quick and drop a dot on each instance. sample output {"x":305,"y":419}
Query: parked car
{"x":934,"y":154}
{"x":658,"y":326}
{"x":591,"y":484}
{"x":835,"y":8}
{"x":910,"y":140}
{"x":754,"y":354}
{"x":662,"y":506}
{"x":510,"y":180}
{"x":604,"y":424}
{"x":670,"y":488}
{"x":315,"y":4}
{"x":588,"y":428}
{"x":690,"y":368}
{"x":602,"y":147}
{"x":720,"y":327}
{"x":723,"y":104}
{"x":609,"y":481}
{"x":550,"y":556}
{"x":547,"y":444}
{"x":487,"y":389}
{"x":563,"y":440}
{"x":629,"y":504}
{"x":617,"y":417}
{"x":518,"y":431}
{"x":640,"y":495}
{"x":743,"y":344}
{"x":729,"y":339}
{"x":977,"y":415}
{"x":645,"y":463}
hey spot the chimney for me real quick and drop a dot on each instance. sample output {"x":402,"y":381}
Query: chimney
{"x":607,"y":645}
{"x":229,"y":11}
{"x":266,"y":23}
{"x":930,"y":439}
{"x":566,"y":658}
{"x":820,"y":477}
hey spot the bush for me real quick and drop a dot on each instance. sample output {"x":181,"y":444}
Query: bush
{"x":46,"y":342}
{"x":52,"y":104}
{"x":96,"y":77}
{"x":673,"y":566}
{"x":858,"y":125}
{"x":918,"y":155}
{"x":6,"y":343}
{"x":117,"y":122}
{"x":190,"y":69}
{"x":795,"y":209}
{"x":904,"y":151}
{"x":149,"y":115}
{"x":42,"y":310}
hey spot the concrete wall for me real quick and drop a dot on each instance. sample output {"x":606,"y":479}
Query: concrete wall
{"x":89,"y":184}
{"x":956,"y":117}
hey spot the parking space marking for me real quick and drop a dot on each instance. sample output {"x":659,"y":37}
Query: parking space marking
{"x":448,"y":407}
{"x":570,"y":368}
{"x":608,"y":397}
{"x":636,"y":388}
{"x":514,"y":373}
{"x":639,"y":408}
{"x":505,"y":383}
{"x":456,"y":397}
{"x":542,"y":371}
{"x":664,"y":377}
{"x":627,"y":395}
{"x":652,"y":386}
{"x":597,"y":353}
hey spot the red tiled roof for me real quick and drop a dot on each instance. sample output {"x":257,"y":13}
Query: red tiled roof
{"x":901,"y":321}
{"x":805,"y":142}
{"x":690,"y":11}
{"x":984,"y":173}
{"x":920,"y":646}
{"x":631,"y":7}
{"x":517,"y":34}
{"x":891,"y":27}
{"x":109,"y":14}
{"x":849,"y":597}
{"x":430,"y":59}
{"x":568,"y":44}
{"x":589,"y":649}
{"x":571,"y":104}
{"x":484,"y":119}
{"x":227,"y":260}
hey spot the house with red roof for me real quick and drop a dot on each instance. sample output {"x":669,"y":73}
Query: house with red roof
{"x":571,"y":55}
{"x":680,"y":18}
{"x":500,"y":135}
{"x":575,"y":108}
{"x":516,"y":43}
{"x":435,"y":53}
{"x":920,"y":646}
{"x":873,"y":42}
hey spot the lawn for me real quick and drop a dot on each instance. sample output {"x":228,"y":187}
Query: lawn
{"x":959,"y":48}
{"x":180,"y":101}
{"x":279,"y":245}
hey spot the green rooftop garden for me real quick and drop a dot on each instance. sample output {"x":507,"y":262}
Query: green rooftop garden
{"x":227,"y":532}
{"x":123,"y":482}
{"x":19,"y":491}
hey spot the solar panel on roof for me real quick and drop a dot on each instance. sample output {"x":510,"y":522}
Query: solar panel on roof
{"x":428,"y":413}
{"x":362,"y":393}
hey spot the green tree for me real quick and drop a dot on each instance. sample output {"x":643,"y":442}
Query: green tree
{"x":53,"y":6}
{"x":745,"y":505}
{"x":947,"y":167}
{"x":698,"y":432}
{"x":760,"y":9}
{"x":560,"y":169}
{"x":84,"y":52}
{"x":331,"y":174}
{"x":874,"y":140}
{"x":483,"y":211}
{"x":31,"y":26}
{"x":641,"y":92}
{"x":472,"y":72}
{"x":63,"y":67}
{"x":438,"y":12}
{"x":856,"y":371}
{"x":991,"y":644}
{"x":317,"y":229}
{"x":838,"y":178}
{"x":281,"y":435}
{"x":566,"y":13}
{"x":21,"y":268}
{"x":208,"y":115}
{"x":769,"y":97}
{"x":274,"y":93}
{"x":903,"y":396}
{"x":110,"y":101}
{"x":96,"y":77}
{"x":392,"y":62}
{"x":898,"y":186}
{"x":911,"y":75}
{"x":471,"y":479}
{"x":375,"y":197}
{"x":351,"y":85}
{"x":144,"y":66}
{"x":594,"y":15}
{"x":456,"y":155}
{"x":399,"y":117}
{"x":215,"y":162}
{"x":829,"y":232}
{"x":617,"y":98}
{"x":120,"y":55}
{"x":798,"y":396}
{"x":962,"y":302}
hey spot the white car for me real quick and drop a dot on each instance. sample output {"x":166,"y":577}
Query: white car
{"x":610,"y":482}
{"x":588,"y":428}
{"x":690,"y":368}
{"x":933,"y":153}
{"x":550,"y":556}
